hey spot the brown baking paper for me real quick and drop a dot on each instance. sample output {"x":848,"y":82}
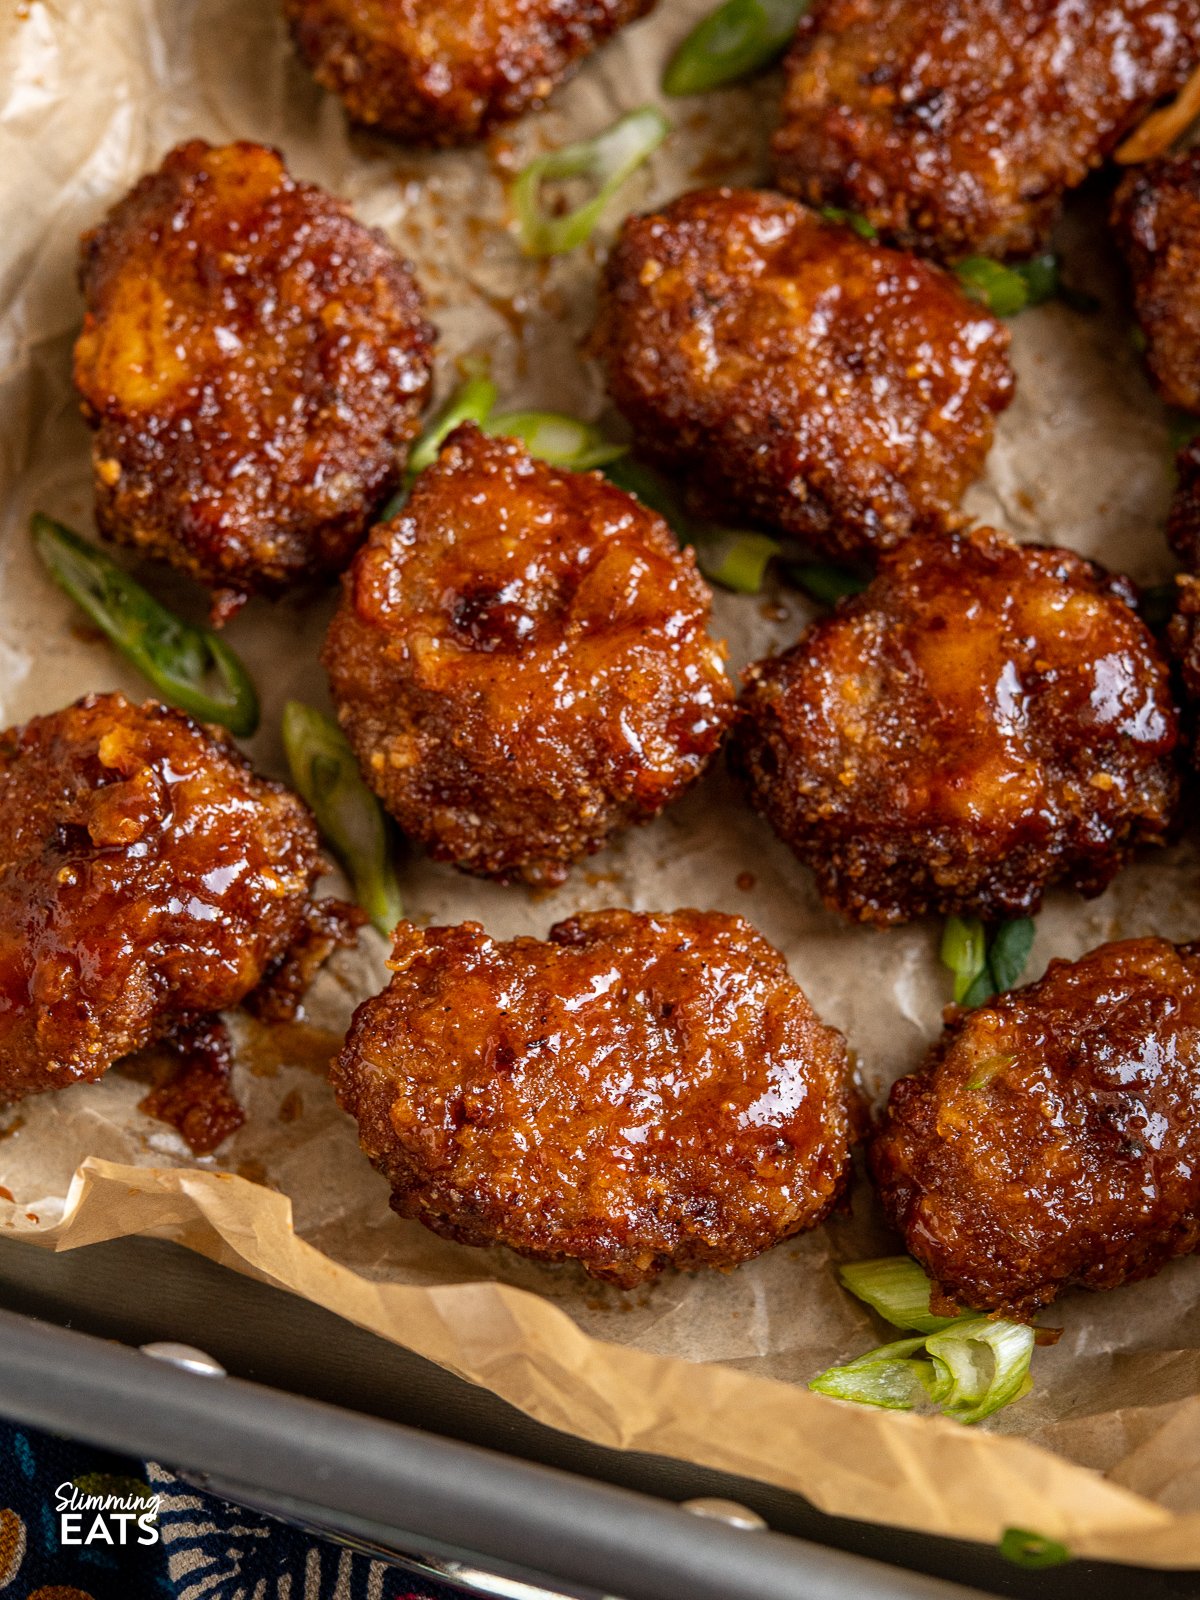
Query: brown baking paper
{"x":1105,"y":1454}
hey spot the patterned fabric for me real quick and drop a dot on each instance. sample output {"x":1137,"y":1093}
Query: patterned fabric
{"x":206,"y":1548}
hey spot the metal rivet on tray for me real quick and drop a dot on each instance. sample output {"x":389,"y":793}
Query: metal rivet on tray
{"x":729,"y":1511}
{"x":185,"y":1356}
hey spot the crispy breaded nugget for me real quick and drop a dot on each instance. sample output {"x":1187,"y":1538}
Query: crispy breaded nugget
{"x":1053,"y":1136}
{"x":796,"y":375}
{"x":254,"y":362}
{"x":446,"y":72}
{"x":522,"y":664}
{"x":642,"y":1090}
{"x":147,"y":876}
{"x":984,"y":720}
{"x":957,"y":125}
{"x":1156,"y":215}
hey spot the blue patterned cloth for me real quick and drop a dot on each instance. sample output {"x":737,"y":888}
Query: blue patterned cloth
{"x":205,"y":1549}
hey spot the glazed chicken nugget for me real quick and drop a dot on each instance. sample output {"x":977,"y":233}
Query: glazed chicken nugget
{"x":147,"y":876}
{"x":1053,"y":1136}
{"x":446,"y":72}
{"x":521,"y":662}
{"x":641,"y":1090}
{"x":798,"y":376}
{"x":956,"y":126}
{"x":254,"y":363}
{"x":984,"y":720}
{"x":1156,"y":215}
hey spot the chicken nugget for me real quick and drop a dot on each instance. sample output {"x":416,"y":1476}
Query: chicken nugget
{"x":984,"y":720}
{"x":521,"y":662}
{"x":797,"y":376}
{"x":254,"y":363}
{"x":640,"y":1090}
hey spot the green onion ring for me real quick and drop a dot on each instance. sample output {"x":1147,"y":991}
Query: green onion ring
{"x":326,"y":775}
{"x":561,"y":440}
{"x":191,"y":667}
{"x":738,"y":38}
{"x":607,"y":160}
{"x":736,"y":561}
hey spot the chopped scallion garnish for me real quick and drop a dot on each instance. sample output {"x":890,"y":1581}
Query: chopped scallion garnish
{"x":982,"y":967}
{"x":889,"y":1377}
{"x":655,"y":491}
{"x":606,"y":161}
{"x":738,"y":38}
{"x":969,"y":1371}
{"x":987,"y":1363}
{"x":1006,"y":290}
{"x":191,"y":667}
{"x":972,"y":1365}
{"x":1009,"y":951}
{"x":737,"y":561}
{"x":326,"y":774}
{"x":472,"y":401}
{"x":849,"y":219}
{"x":562,"y":441}
{"x":1001,"y":289}
{"x":964,"y":951}
{"x":898,"y":1290}
{"x":1033,"y":1550}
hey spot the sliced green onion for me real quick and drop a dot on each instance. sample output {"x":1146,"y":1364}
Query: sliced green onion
{"x":1033,"y":1550}
{"x":1008,"y":289}
{"x":737,"y":561}
{"x":738,"y":38}
{"x":982,"y":990}
{"x":897,"y":1288}
{"x":348,"y":814}
{"x":964,"y":951}
{"x":1001,"y":289}
{"x":973,"y":1365}
{"x":886,"y":1377}
{"x":192,"y":668}
{"x":607,"y":161}
{"x":1009,"y":951}
{"x":825,"y":582}
{"x":982,"y":967}
{"x":987,"y":1363}
{"x":562,"y":441}
{"x":472,"y":401}
{"x":990,"y":1067}
{"x":849,"y":219}
{"x":971,"y":1370}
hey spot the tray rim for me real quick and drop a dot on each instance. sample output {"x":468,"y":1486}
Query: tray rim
{"x":461,"y":1500}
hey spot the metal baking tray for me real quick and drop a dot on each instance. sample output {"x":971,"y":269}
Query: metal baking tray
{"x":327,"y":1425}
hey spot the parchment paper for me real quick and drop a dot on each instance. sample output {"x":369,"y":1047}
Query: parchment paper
{"x":1105,"y":1455}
